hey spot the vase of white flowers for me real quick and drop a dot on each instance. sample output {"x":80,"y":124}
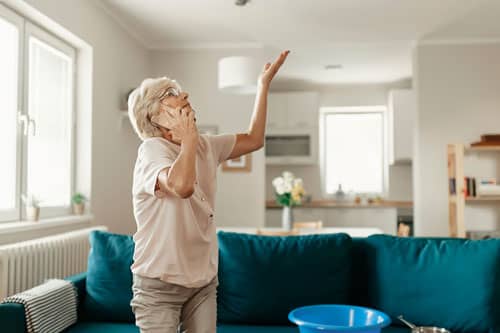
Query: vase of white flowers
{"x":289,"y":192}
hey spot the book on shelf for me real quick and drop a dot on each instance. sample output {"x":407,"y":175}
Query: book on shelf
{"x":476,"y":188}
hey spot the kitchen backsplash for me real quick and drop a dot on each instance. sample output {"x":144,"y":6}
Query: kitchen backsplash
{"x":400,"y":180}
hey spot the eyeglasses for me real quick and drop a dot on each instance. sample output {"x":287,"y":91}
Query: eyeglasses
{"x":170,"y":92}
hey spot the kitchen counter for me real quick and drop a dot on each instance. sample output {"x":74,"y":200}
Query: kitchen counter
{"x":339,"y":204}
{"x":353,"y":232}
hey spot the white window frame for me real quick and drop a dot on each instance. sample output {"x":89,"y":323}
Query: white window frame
{"x":13,"y":18}
{"x":26,"y":30}
{"x":381,"y":109}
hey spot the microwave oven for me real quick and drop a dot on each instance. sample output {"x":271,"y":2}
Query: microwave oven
{"x":291,"y":146}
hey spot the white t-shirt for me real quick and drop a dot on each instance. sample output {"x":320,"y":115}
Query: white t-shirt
{"x":176,"y":238}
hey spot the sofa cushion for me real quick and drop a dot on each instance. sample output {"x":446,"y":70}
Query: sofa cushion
{"x":256,"y":329}
{"x":263,"y":278}
{"x":285,"y":329}
{"x":451,"y":283}
{"x":109,"y":279}
{"x":100,"y":327}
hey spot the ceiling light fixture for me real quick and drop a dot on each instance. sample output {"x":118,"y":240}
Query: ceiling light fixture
{"x":241,"y":2}
{"x":238,"y":75}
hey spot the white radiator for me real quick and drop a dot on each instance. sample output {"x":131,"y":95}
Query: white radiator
{"x":27,"y":264}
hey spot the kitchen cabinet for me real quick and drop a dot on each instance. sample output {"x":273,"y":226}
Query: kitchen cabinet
{"x":292,"y":110}
{"x":402,"y":114}
{"x":292,"y":128}
{"x":276,"y":111}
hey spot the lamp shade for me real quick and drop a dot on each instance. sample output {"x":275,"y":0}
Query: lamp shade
{"x":238,"y":75}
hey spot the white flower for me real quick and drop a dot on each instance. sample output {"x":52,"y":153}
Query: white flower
{"x":280,"y":189}
{"x":287,"y":187}
{"x":297,"y":182}
{"x":287,"y":175}
{"x":278,"y":181}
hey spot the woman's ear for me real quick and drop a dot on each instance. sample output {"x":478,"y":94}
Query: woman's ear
{"x":167,"y":134}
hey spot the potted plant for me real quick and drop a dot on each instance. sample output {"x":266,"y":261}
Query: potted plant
{"x":78,"y":201}
{"x":289,"y":192}
{"x":32,"y":205}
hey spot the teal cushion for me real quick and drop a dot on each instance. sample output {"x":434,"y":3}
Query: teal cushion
{"x":285,"y":329}
{"x":100,"y":327}
{"x":256,"y":329}
{"x":109,"y":279}
{"x":451,"y":283}
{"x":263,"y":278}
{"x":130,"y":328}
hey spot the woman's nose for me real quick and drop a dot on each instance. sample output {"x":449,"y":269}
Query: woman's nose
{"x":184,"y":95}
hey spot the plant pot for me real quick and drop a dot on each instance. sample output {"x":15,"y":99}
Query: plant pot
{"x":32,"y":213}
{"x":78,"y":209}
{"x":287,"y":218}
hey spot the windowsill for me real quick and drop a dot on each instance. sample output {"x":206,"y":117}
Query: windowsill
{"x":19,"y":226}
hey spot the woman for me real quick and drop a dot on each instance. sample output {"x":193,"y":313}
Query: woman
{"x":176,"y":254}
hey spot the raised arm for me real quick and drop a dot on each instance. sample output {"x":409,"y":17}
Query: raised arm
{"x":254,"y":138}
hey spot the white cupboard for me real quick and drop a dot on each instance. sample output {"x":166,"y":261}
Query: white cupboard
{"x":292,"y":128}
{"x":292,"y":110}
{"x":402,"y":117}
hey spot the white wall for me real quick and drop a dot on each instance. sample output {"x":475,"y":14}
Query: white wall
{"x":119,"y":62}
{"x":240,"y":196}
{"x":458,"y":100}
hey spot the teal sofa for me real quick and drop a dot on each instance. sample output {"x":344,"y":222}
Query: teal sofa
{"x":453,"y":283}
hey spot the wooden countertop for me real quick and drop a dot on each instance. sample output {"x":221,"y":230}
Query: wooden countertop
{"x":349,"y":204}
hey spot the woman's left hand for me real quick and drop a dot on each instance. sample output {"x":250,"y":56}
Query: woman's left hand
{"x":270,"y":70}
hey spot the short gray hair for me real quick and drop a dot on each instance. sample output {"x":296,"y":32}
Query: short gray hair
{"x":144,"y":103}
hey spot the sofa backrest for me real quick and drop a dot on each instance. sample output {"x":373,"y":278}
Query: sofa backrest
{"x":263,"y":278}
{"x":451,"y":283}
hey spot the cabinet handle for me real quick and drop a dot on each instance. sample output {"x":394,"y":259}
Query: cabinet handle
{"x":23,"y":119}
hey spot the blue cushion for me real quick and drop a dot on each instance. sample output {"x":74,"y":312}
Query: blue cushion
{"x":451,"y":283}
{"x":100,"y":327}
{"x":263,"y":278}
{"x":109,"y":278}
{"x":256,"y":329}
{"x":286,"y":329}
{"x":90,"y":327}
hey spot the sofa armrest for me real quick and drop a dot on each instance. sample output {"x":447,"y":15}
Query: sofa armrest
{"x":12,"y":318}
{"x":79,"y":281}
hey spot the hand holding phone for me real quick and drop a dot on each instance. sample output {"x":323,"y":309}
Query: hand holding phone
{"x":179,"y":121}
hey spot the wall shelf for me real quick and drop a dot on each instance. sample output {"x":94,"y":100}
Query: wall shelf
{"x":485,"y":198}
{"x":457,"y":202}
{"x":483,"y":148}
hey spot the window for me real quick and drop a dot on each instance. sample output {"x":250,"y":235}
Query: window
{"x":37,"y":127}
{"x":353,"y":149}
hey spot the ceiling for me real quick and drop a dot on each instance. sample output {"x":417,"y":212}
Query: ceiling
{"x":371,"y":39}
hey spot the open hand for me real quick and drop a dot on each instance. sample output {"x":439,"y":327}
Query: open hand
{"x":270,"y":70}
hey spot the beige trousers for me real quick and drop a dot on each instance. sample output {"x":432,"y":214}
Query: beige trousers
{"x":161,"y":307}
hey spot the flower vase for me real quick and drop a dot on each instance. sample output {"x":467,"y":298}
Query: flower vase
{"x":287,"y":218}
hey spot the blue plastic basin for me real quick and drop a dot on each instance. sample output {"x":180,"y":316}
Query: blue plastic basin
{"x":337,"y":318}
